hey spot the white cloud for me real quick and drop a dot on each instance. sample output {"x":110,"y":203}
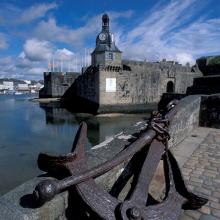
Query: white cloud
{"x":3,"y":41}
{"x":184,"y":58}
{"x":6,"y":66}
{"x":172,"y":32}
{"x":5,"y":60}
{"x":50,"y":30}
{"x":175,"y":30}
{"x":200,"y":37}
{"x":36,"y":50}
{"x":63,"y":54}
{"x":35,"y":12}
{"x":30,"y":63}
{"x":11,"y":14}
{"x":113,"y":15}
{"x":22,"y":62}
{"x":33,"y":63}
{"x":37,"y":70}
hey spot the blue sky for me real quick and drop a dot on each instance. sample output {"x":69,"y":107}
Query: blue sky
{"x":34,"y":32}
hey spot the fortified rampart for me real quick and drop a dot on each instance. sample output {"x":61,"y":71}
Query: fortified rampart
{"x":209,"y":82}
{"x":87,"y":85}
{"x":112,"y":84}
{"x":133,"y":86}
{"x":138,"y":82}
{"x":56,"y":83}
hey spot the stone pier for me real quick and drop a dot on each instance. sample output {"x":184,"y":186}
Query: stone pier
{"x":197,"y":150}
{"x":201,"y":171}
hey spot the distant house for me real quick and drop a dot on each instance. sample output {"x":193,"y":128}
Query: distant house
{"x":23,"y":87}
{"x":8,"y":85}
{"x":39,"y":86}
{"x":2,"y":87}
{"x":36,"y":86}
{"x":27,"y":81}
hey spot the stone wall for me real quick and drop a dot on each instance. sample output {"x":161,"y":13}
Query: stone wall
{"x":210,"y":111}
{"x":186,"y":119}
{"x":183,"y":81}
{"x":56,"y":83}
{"x":209,"y":65}
{"x":16,"y":204}
{"x":131,"y":83}
{"x":144,"y":82}
{"x":87,"y":85}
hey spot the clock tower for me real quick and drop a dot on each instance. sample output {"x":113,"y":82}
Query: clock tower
{"x":106,"y":53}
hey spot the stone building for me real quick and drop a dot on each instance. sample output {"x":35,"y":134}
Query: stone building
{"x":210,"y":81}
{"x":113,"y":84}
{"x":56,"y":83}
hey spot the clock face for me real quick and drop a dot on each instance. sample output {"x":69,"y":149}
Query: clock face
{"x":102,"y":36}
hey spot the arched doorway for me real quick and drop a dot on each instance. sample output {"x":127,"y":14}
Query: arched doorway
{"x":170,"y":87}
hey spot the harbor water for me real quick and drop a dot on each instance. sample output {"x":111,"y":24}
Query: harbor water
{"x":26,"y":129}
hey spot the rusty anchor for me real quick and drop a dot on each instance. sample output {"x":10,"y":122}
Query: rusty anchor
{"x":143,"y":156}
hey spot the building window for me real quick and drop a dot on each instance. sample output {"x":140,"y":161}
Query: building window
{"x":110,"y":56}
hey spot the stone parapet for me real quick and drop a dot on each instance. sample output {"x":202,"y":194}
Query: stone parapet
{"x":209,"y":65}
{"x":186,"y":119}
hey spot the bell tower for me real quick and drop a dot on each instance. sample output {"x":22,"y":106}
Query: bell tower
{"x":106,"y":52}
{"x":105,"y":23}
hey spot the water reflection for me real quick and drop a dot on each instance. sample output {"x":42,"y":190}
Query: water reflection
{"x":99,"y":128}
{"x":28,"y":129}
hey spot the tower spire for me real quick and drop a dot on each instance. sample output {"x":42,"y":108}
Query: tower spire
{"x":105,"y":22}
{"x":106,"y":51}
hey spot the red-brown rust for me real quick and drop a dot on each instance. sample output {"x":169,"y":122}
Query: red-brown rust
{"x":146,"y":153}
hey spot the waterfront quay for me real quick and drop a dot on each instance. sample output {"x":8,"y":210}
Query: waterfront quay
{"x":195,"y":148}
{"x":199,"y":156}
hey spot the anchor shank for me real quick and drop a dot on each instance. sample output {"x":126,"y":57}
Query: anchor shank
{"x":149,"y":167}
{"x":108,"y":165}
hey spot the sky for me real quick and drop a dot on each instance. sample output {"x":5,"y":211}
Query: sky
{"x":34,"y":34}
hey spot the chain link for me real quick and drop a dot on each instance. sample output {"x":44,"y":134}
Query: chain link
{"x":160,"y":126}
